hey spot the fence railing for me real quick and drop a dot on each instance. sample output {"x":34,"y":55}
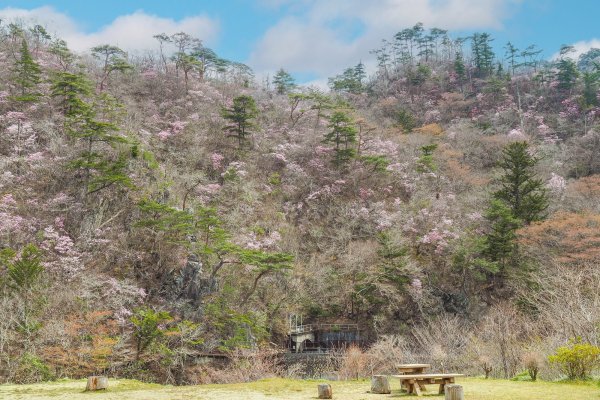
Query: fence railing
{"x":323,"y":327}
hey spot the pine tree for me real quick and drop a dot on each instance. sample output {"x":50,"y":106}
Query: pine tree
{"x":567,"y":72}
{"x":283,"y":81}
{"x":240,"y":117}
{"x":483,"y":55}
{"x":26,"y":75}
{"x":342,"y":135}
{"x":359,"y":72}
{"x":72,"y":89}
{"x":113,"y":59}
{"x":459,"y":69}
{"x":499,"y":245}
{"x":521,"y":191}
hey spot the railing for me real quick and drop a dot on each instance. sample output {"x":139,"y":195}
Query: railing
{"x":323,"y":327}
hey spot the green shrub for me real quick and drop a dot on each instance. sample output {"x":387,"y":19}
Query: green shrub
{"x":148,"y":327}
{"x":34,"y":369}
{"x":576,"y":360}
{"x":405,"y":120}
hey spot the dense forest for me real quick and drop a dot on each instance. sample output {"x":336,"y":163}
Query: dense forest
{"x":160,"y":207}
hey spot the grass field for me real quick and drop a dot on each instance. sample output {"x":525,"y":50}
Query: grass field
{"x":280,"y":389}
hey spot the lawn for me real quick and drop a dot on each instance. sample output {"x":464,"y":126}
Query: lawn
{"x":280,"y":389}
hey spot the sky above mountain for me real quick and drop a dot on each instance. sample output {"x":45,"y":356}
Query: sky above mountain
{"x":313,"y":39}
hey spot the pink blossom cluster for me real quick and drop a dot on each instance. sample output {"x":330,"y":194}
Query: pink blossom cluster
{"x":33,"y":157}
{"x":571,"y":108}
{"x":15,"y":116}
{"x":61,"y":198}
{"x":327,"y":190}
{"x":322,"y":150}
{"x":267,"y":242}
{"x":122,"y":315}
{"x":7,"y":201}
{"x":149,"y":73}
{"x":163,"y":135}
{"x":381,"y":147}
{"x":177,"y":127}
{"x":439,"y":239}
{"x":280,"y":157}
{"x":365,"y":193}
{"x":216,"y":160}
{"x":9,"y":223}
{"x":516,"y":134}
{"x":55,"y":241}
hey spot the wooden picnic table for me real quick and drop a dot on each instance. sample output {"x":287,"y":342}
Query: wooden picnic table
{"x":412,"y":368}
{"x":415,"y":383}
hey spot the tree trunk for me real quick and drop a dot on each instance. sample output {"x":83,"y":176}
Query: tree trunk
{"x":96,"y":383}
{"x":380,"y":384}
{"x":454,"y":392}
{"x":325,"y":391}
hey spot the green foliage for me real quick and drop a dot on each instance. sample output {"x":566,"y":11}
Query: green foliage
{"x":577,"y":360}
{"x":406,"y":120}
{"x":26,"y":76}
{"x":351,"y":80}
{"x":148,"y":327}
{"x":72,"y":89}
{"x":342,"y":135}
{"x":241,"y":116}
{"x":591,"y":87}
{"x":112,"y":59}
{"x":567,"y":72}
{"x":24,"y":271}
{"x":459,"y":68}
{"x":234,"y":328}
{"x":483,"y":55}
{"x":283,"y":81}
{"x":378,"y":163}
{"x":500,"y":242}
{"x":176,"y":224}
{"x":426,"y":163}
{"x":33,"y":366}
{"x":521,"y":190}
{"x":60,"y":50}
{"x":417,"y":77}
{"x":102,"y":170}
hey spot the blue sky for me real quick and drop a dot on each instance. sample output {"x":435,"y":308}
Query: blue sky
{"x":313,"y":39}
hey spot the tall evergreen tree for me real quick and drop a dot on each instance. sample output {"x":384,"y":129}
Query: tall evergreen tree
{"x":499,"y":244}
{"x":241,"y":116}
{"x":283,"y":81}
{"x":521,"y":190}
{"x":342,"y":135}
{"x":460,"y":70}
{"x":72,"y":89}
{"x":483,"y":54}
{"x":26,"y":75}
{"x":567,"y":72}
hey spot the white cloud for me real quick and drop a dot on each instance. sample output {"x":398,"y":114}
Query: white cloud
{"x":314,"y":43}
{"x":580,"y":48}
{"x":130,"y":32}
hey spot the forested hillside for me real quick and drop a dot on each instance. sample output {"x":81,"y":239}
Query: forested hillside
{"x":157,"y":207}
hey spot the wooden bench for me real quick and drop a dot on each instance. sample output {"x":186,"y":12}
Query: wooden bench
{"x":415,"y":384}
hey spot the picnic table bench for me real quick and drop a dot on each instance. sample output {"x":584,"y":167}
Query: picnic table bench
{"x":415,"y":383}
{"x":412,"y":368}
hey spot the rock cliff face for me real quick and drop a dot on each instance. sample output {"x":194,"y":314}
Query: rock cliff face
{"x":192,"y":284}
